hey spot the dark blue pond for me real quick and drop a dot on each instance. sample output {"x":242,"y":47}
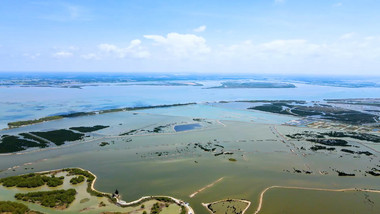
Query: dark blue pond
{"x":180,"y":128}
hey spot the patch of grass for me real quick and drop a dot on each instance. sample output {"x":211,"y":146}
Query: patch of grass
{"x":14,"y":208}
{"x":90,"y":179}
{"x":42,"y":143}
{"x":85,"y":129}
{"x":10,"y":143}
{"x":77,"y":180}
{"x":59,"y":136}
{"x":227,"y":207}
{"x":31,"y":180}
{"x":30,"y":122}
{"x":104,"y":144}
{"x":55,"y":198}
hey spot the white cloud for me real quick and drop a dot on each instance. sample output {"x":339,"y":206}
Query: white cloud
{"x":109,"y":48}
{"x":62,"y":54}
{"x":299,"y":55}
{"x":133,"y":50}
{"x":348,"y":53}
{"x":200,"y":29}
{"x":347,"y":36}
{"x":276,"y":50}
{"x":181,"y":45}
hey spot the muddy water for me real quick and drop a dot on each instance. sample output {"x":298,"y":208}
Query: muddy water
{"x":136,"y":169}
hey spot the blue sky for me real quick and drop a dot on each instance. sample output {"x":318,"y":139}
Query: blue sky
{"x":257,"y":36}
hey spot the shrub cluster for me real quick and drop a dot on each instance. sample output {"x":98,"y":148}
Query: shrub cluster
{"x":32,"y":180}
{"x":53,"y":198}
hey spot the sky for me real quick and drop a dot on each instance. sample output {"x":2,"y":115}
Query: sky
{"x":340,"y":37}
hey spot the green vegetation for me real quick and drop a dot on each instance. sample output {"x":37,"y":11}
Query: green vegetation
{"x":104,"y":144}
{"x":79,"y":114}
{"x":29,"y":122}
{"x":158,"y":129}
{"x":232,"y":159}
{"x":156,"y":208}
{"x":53,"y":181}
{"x":10,"y":143}
{"x":43,"y":143}
{"x":319,"y":111}
{"x":76,"y":171}
{"x":59,"y":136}
{"x":335,"y":134}
{"x":143,"y":107}
{"x":55,"y":198}
{"x":31,"y":180}
{"x":183,"y":210}
{"x":14,"y":208}
{"x":88,"y":128}
{"x":330,"y":142}
{"x":227,"y":207}
{"x":255,"y":85}
{"x":129,"y":132}
{"x":318,"y":147}
{"x":364,"y":102}
{"x":356,"y":135}
{"x":102,"y":204}
{"x":90,"y":178}
{"x":164,"y":199}
{"x":77,"y":180}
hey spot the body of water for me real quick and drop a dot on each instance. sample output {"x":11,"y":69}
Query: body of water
{"x":24,"y":103}
{"x":186,"y":127}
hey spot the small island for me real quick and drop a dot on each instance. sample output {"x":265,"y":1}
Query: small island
{"x":254,"y":85}
{"x":17,"y":124}
{"x":228,"y":206}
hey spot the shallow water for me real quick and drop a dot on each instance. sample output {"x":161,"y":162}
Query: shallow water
{"x":23,"y":103}
{"x":135,"y":169}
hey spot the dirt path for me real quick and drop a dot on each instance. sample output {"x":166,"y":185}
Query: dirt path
{"x":307,"y":188}
{"x":208,"y":186}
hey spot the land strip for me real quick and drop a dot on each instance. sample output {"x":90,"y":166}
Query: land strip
{"x":308,"y":188}
{"x":205,"y":187}
{"x":17,"y":124}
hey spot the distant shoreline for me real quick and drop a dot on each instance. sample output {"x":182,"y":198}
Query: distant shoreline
{"x":17,"y":124}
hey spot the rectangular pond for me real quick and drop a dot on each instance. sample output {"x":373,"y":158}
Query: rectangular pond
{"x":186,"y":127}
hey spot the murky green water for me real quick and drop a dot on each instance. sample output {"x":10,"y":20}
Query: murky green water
{"x":135,"y":169}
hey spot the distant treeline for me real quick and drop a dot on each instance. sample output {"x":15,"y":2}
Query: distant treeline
{"x":79,"y":114}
